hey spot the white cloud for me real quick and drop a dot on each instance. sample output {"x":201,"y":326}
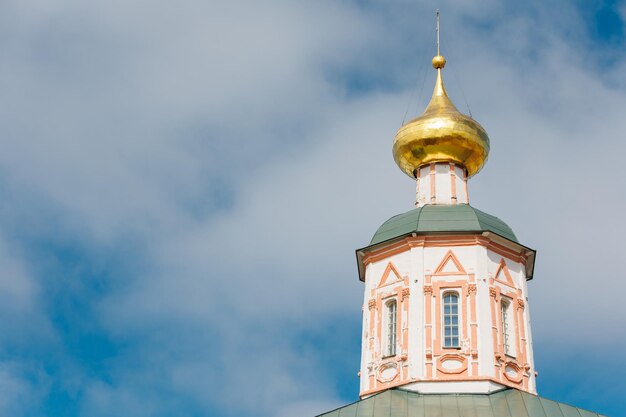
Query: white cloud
{"x":126,"y":123}
{"x":19,"y":394}
{"x":24,"y":329}
{"x":306,"y":408}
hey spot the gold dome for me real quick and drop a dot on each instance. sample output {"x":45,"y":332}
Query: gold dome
{"x":441,"y":134}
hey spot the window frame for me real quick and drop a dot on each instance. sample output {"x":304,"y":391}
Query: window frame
{"x":507,"y":330}
{"x":452,"y":315}
{"x":390,"y":329}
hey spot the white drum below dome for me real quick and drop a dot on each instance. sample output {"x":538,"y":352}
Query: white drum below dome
{"x":441,"y":183}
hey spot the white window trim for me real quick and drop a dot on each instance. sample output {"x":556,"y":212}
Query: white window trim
{"x":507,"y":331}
{"x":456,"y":292}
{"x":389,"y":349}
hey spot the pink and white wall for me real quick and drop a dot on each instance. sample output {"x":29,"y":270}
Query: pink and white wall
{"x":487,"y":273}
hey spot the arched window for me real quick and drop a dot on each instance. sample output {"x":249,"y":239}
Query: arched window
{"x":450,"y":320}
{"x":507,"y":328}
{"x":391,"y":324}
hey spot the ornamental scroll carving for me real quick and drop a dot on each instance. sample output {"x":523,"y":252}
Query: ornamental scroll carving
{"x":387,"y":372}
{"x":371,"y":304}
{"x":405,"y":293}
{"x":471,"y":289}
{"x":452,"y":364}
{"x":513,"y":372}
{"x":428,"y":289}
{"x":520,"y":304}
{"x":492,"y":292}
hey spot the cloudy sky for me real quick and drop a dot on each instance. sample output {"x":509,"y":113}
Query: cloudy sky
{"x":183,"y":185}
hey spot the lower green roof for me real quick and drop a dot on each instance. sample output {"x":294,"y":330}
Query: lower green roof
{"x":506,"y":403}
{"x":442,"y":218}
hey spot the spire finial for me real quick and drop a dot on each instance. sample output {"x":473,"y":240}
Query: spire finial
{"x":441,"y":133}
{"x":439,"y":61}
{"x":437,"y":14}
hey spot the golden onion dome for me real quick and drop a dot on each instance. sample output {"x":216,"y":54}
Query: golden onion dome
{"x":441,"y":134}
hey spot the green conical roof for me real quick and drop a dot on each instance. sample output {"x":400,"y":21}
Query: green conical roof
{"x":506,"y":403}
{"x":442,"y":218}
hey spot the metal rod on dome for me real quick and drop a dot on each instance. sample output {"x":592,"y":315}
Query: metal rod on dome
{"x":437,"y":13}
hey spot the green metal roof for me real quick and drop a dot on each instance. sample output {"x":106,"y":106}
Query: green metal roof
{"x":506,"y":403}
{"x":442,"y":218}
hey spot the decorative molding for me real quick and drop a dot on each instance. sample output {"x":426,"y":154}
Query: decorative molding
{"x":387,"y":372}
{"x":492,"y":292}
{"x":453,"y":196}
{"x":391,"y":268}
{"x":405,"y":293}
{"x":442,"y":241}
{"x":371,"y":304}
{"x":503,"y":275}
{"x":454,"y":358}
{"x":471,"y":289}
{"x":450,"y":257}
{"x":512,"y":368}
{"x":520,"y":304}
{"x":465,"y":344}
{"x":428,"y":289}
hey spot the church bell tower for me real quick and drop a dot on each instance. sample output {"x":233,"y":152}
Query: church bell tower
{"x":446,"y":304}
{"x":446,"y":323}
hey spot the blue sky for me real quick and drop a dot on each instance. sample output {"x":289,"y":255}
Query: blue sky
{"x":183,"y":186}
